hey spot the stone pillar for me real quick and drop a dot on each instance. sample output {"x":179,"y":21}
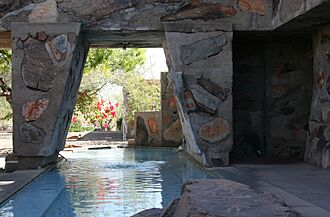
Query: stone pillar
{"x":318,"y":141}
{"x":48,"y":61}
{"x":199,"y":57}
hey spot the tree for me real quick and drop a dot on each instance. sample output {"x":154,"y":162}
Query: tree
{"x":5,"y":75}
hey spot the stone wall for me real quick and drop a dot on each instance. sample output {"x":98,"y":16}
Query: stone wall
{"x":318,"y":147}
{"x":47,"y":67}
{"x":272,"y":94}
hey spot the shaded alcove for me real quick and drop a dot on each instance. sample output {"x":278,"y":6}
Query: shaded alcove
{"x":273,"y":74}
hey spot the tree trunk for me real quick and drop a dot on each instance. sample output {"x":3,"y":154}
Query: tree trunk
{"x":6,"y":91}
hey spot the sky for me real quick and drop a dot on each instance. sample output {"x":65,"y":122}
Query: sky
{"x":155,"y":63}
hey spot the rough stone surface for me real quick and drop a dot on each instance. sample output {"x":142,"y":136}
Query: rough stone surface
{"x":38,"y":70}
{"x":205,"y":101}
{"x":173,"y":132}
{"x":153,"y":126}
{"x":32,"y":110}
{"x":204,"y":11}
{"x":214,"y":89}
{"x":30,"y":133}
{"x":154,"y":212}
{"x":253,"y":6}
{"x":317,"y":146}
{"x":214,"y":131}
{"x":58,"y":47}
{"x":141,"y":134}
{"x":45,"y":12}
{"x":211,"y":198}
{"x":202,"y":49}
{"x":189,"y":101}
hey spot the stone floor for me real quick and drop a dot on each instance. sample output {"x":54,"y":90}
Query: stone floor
{"x":305,"y":188}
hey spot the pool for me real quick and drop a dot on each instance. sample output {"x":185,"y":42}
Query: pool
{"x":109,"y":183}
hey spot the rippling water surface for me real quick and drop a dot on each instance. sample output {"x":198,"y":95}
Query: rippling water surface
{"x":112,"y":183}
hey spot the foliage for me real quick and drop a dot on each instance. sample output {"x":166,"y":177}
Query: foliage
{"x":5,"y":85}
{"x":120,"y":67}
{"x":78,"y":127}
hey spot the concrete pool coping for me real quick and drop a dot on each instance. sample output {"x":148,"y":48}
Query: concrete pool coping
{"x":14,"y":182}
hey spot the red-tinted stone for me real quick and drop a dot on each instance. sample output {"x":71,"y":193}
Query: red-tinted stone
{"x":166,"y":119}
{"x":215,"y":130}
{"x":189,"y":101}
{"x":42,"y":36}
{"x":153,"y":126}
{"x":171,"y":102}
{"x":173,"y":132}
{"x":253,"y":6}
{"x":32,"y":110}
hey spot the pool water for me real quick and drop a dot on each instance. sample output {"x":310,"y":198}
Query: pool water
{"x":111,"y":183}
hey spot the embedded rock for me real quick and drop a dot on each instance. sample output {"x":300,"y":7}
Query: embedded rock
{"x":215,"y":197}
{"x":202,"y":49}
{"x":189,"y":101}
{"x":253,"y":6}
{"x":30,"y":133}
{"x":153,"y":125}
{"x":205,"y":101}
{"x":171,"y":102}
{"x":38,"y":70}
{"x":32,"y":110}
{"x":173,"y":132}
{"x":202,"y":11}
{"x":58,"y":47}
{"x":45,"y":12}
{"x":215,"y":130}
{"x":213,"y":88}
{"x":141,"y":134}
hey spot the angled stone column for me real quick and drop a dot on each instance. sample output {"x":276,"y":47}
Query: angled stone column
{"x":199,"y":57}
{"x":48,"y":61}
{"x":318,"y":141}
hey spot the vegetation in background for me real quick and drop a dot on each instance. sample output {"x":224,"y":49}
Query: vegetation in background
{"x":5,"y":86}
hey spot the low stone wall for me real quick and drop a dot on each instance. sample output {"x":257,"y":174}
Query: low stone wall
{"x":148,"y":128}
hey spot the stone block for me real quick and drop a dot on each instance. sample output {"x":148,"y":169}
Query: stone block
{"x":45,"y":12}
{"x":153,"y":125}
{"x":197,"y":10}
{"x":215,"y":130}
{"x":189,"y":101}
{"x":38,"y":70}
{"x":205,"y":101}
{"x":215,"y":197}
{"x":32,"y":110}
{"x":213,"y":88}
{"x":253,"y":6}
{"x":154,"y":212}
{"x":58,"y":47}
{"x":173,"y":132}
{"x":31,"y":134}
{"x":202,"y":49}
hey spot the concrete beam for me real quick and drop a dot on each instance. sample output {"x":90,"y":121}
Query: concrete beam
{"x":5,"y":40}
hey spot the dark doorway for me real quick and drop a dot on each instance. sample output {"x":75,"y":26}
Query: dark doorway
{"x":272,"y":93}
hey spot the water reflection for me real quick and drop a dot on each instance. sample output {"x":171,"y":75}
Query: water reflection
{"x":116,"y":183}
